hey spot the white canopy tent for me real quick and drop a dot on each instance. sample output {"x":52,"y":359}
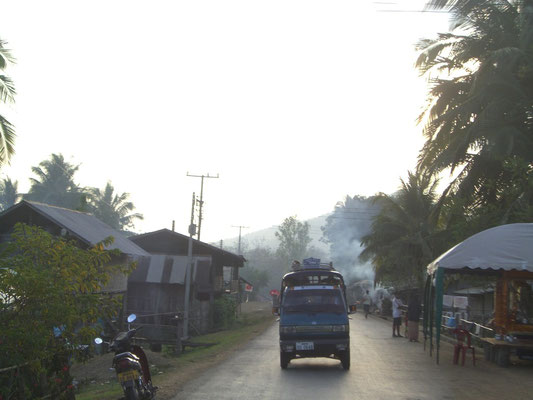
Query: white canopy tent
{"x":502,"y":248}
{"x":507,"y":247}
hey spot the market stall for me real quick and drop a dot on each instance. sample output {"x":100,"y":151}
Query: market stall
{"x":505,"y":252}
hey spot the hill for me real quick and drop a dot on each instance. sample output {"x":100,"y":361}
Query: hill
{"x":267,"y":237}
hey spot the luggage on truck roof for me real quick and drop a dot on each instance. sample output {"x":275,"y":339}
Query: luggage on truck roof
{"x":311,"y":263}
{"x":312,"y":272}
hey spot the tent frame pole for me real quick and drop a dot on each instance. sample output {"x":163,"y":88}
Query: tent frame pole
{"x":426,"y":309}
{"x":430,"y":314}
{"x":438,"y":305}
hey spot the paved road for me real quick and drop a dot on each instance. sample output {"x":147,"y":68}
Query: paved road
{"x":382,"y":368}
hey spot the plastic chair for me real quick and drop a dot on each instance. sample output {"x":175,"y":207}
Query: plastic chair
{"x":463,"y":344}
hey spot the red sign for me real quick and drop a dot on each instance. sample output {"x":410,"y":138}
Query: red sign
{"x":274,"y":292}
{"x":248,"y":287}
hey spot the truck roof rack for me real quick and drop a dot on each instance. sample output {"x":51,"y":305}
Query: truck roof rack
{"x":326,"y":266}
{"x":310,"y":264}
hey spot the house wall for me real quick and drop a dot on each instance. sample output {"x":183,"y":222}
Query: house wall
{"x":200,"y":316}
{"x":119,"y":281}
{"x":481,"y":307}
{"x":158,"y":304}
{"x":161,"y":302}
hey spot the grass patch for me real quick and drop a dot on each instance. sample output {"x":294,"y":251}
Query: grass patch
{"x":102,"y":391}
{"x":177,"y":370}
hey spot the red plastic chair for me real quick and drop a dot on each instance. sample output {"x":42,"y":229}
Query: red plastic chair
{"x":463,"y":344}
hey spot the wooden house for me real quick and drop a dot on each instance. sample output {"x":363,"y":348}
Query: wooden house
{"x":156,"y":289}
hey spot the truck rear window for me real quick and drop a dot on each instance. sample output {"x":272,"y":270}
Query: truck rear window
{"x":313,"y":301}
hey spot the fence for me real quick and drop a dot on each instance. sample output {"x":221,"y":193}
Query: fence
{"x":476,"y":330}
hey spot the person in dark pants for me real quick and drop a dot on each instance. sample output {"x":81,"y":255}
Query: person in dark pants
{"x":396,"y":316}
{"x":413,"y":317}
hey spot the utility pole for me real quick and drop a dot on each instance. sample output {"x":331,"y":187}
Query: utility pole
{"x":192,"y":232}
{"x":201,"y":201}
{"x":240,"y":231}
{"x":235,"y":270}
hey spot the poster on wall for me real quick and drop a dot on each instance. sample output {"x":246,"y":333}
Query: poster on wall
{"x":447,"y":300}
{"x":460,"y":302}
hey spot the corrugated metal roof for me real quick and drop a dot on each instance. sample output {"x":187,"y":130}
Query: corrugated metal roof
{"x":85,"y":226}
{"x":163,"y":268}
{"x":199,"y":247}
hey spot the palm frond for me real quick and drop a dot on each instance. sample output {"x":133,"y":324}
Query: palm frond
{"x":7,"y":140}
{"x":7,"y":89}
{"x":5,"y":55}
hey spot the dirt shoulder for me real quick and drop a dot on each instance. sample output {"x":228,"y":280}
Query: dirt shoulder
{"x":170,"y":372}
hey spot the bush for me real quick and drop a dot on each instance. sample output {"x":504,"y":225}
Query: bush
{"x":50,"y":300}
{"x":225,"y":311}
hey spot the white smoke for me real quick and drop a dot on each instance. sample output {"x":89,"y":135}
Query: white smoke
{"x":345,"y":228}
{"x":345,"y":253}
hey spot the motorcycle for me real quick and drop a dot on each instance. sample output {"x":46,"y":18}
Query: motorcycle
{"x":131,"y":365}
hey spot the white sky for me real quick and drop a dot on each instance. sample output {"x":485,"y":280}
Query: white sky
{"x":296,"y":104}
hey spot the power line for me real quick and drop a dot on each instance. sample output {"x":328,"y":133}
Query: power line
{"x":414,"y":11}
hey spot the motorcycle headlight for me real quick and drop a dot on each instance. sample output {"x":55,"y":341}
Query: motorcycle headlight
{"x":341,"y":328}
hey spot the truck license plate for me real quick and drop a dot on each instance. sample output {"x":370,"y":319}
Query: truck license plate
{"x":128,"y":376}
{"x":305,"y":346}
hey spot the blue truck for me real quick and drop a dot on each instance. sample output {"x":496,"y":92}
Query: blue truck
{"x":313,"y":314}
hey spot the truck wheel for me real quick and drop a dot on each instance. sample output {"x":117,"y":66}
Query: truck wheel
{"x":345,"y":359}
{"x":284,"y":359}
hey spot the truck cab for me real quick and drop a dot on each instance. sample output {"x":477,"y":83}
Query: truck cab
{"x":314,"y":315}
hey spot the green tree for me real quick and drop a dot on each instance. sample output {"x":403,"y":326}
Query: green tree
{"x":55,"y":185}
{"x":404,"y":236}
{"x":263,"y":258}
{"x":515,"y":204}
{"x":113,"y":209}
{"x":7,"y":95}
{"x":9,"y":194}
{"x":480,"y":105}
{"x":49,"y":285}
{"x":294,"y":239}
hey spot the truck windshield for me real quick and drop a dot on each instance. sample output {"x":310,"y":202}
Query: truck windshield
{"x":313,"y":301}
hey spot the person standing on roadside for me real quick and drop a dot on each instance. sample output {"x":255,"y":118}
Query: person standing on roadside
{"x":367,"y":301}
{"x":396,"y":316}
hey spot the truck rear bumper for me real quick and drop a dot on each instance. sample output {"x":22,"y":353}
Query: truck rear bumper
{"x":314,"y":348}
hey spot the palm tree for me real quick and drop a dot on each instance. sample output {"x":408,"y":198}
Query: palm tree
{"x":479,"y":113}
{"x":54,"y":184}
{"x":9,"y":195}
{"x":7,"y":95}
{"x":404,"y":235}
{"x":113,"y":209}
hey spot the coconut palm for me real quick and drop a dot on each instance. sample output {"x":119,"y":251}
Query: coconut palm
{"x":114,"y":209}
{"x":54,"y":183}
{"x":9,"y":195}
{"x":404,"y":235}
{"x":480,"y":106}
{"x":7,"y":95}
